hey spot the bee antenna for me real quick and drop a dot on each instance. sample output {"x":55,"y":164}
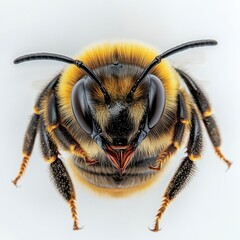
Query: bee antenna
{"x":62,"y":58}
{"x":171,"y":51}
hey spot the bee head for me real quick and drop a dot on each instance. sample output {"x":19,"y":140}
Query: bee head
{"x":118,"y":126}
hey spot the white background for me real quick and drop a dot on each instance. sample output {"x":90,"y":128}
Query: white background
{"x":209,"y":207}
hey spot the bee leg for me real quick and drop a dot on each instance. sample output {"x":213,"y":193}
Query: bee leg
{"x":185,"y":170}
{"x":31,"y":132}
{"x":28,"y":144}
{"x":63,"y":137}
{"x":214,"y":135}
{"x":64,"y":185}
{"x":59,"y":173}
{"x":180,"y":127}
{"x":178,"y":182}
{"x":206,"y":111}
{"x":68,"y":143}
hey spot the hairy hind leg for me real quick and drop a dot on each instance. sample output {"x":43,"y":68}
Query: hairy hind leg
{"x":206,"y":111}
{"x":185,"y":170}
{"x":32,"y":129}
{"x":59,"y":173}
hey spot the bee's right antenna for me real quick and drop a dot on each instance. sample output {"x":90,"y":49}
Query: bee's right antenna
{"x":171,"y":51}
{"x":62,"y":58}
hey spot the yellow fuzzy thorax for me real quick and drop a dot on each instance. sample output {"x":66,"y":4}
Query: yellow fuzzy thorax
{"x":108,"y":53}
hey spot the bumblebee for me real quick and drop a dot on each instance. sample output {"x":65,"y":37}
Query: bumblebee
{"x":122,"y":112}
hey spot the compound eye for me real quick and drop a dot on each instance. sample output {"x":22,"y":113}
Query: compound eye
{"x":80,"y":107}
{"x":156,"y":101}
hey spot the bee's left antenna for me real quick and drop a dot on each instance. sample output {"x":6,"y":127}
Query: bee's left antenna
{"x":62,"y":58}
{"x":171,"y":51}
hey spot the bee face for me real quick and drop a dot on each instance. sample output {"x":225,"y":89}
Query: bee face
{"x":115,"y":126}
